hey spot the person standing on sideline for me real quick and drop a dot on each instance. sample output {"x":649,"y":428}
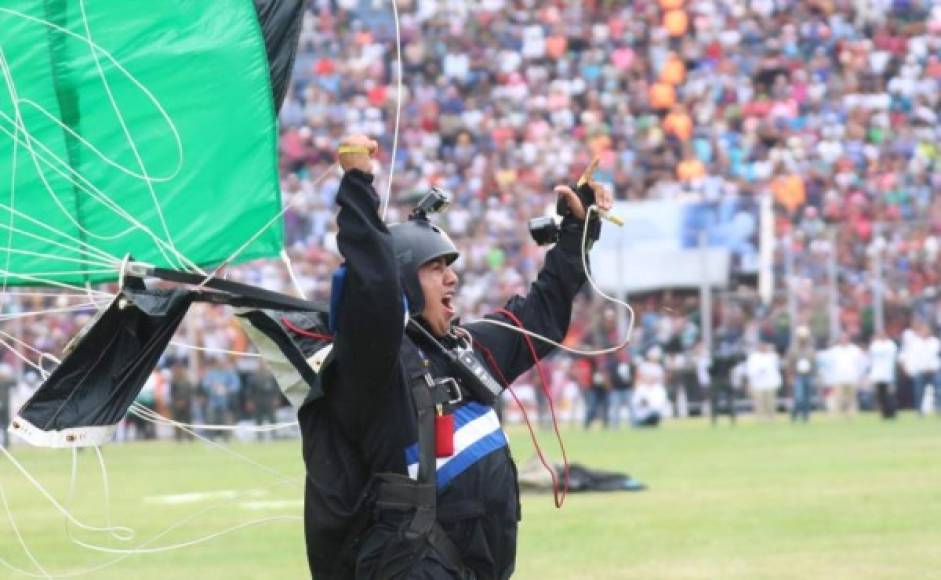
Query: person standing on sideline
{"x":763,"y":369}
{"x":702,"y":362}
{"x":883,"y":353}
{"x":620,"y":377}
{"x":846,"y":363}
{"x":649,"y":403}
{"x":721,"y":370}
{"x":922,"y":351}
{"x":262,"y":398}
{"x":599,"y":389}
{"x":182,"y":398}
{"x":801,"y":366}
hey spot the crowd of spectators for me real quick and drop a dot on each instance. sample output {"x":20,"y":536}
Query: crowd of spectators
{"x":829,"y":107}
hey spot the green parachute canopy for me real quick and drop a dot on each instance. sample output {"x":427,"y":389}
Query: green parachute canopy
{"x":141,"y":128}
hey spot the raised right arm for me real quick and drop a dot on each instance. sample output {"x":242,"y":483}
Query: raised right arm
{"x":371,"y":314}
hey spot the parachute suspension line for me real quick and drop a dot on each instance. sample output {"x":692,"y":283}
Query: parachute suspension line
{"x":140,"y":548}
{"x":118,"y":533}
{"x":27,"y":346}
{"x":65,"y":294}
{"x":152,"y":416}
{"x":104,"y":200}
{"x":127,"y":133}
{"x":108,"y":264}
{"x":59,"y":507}
{"x":22,"y":357}
{"x":79,"y":181}
{"x":169,"y":548}
{"x":398,"y":108}
{"x":19,"y":538}
{"x":38,"y":275}
{"x":287,"y":264}
{"x":82,"y":184}
{"x":130,"y":77}
{"x":30,"y":314}
{"x":273,"y":220}
{"x":122,"y":537}
{"x":122,"y":271}
{"x":591,"y":280}
{"x":105,"y":486}
{"x":27,"y":142}
{"x":83,"y":246}
{"x":89,"y":292}
{"x":214,"y":350}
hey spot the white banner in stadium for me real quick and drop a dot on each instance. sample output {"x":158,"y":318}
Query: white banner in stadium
{"x":659,"y":245}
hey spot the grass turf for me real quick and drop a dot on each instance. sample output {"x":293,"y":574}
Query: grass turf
{"x":830,"y":499}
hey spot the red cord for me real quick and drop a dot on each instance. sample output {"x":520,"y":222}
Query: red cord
{"x":558,"y":498}
{"x":306,"y":333}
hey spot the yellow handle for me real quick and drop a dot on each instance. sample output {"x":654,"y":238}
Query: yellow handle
{"x":352,"y":149}
{"x":611,"y":218}
{"x":589,"y":172}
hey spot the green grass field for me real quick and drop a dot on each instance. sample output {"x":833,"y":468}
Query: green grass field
{"x":832,"y":499}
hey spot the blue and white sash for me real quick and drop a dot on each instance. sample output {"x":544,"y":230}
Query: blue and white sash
{"x":477,"y":433}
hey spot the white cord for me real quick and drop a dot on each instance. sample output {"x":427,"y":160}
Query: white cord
{"x":254,"y":236}
{"x":75,"y":178}
{"x":31,"y":313}
{"x":398,"y":109}
{"x":145,"y":177}
{"x":77,"y":245}
{"x":286,"y":259}
{"x":59,"y":507}
{"x":630,"y":326}
{"x":140,"y":548}
{"x":156,"y":418}
{"x":215,"y":350}
{"x":21,"y":540}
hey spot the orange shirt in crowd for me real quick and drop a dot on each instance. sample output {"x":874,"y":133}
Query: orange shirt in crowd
{"x":789,"y":191}
{"x":676,"y":22}
{"x":666,"y":5}
{"x":673,"y":71}
{"x":599,"y":144}
{"x":662,"y":96}
{"x":556,"y":45}
{"x":690,"y":169}
{"x":678,"y":124}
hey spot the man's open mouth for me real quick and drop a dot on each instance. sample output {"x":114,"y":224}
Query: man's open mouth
{"x":448,"y":304}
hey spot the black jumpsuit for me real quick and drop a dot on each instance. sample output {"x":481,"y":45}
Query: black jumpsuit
{"x":366,"y":424}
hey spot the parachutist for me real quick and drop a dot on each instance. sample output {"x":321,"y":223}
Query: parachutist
{"x":406,"y":475}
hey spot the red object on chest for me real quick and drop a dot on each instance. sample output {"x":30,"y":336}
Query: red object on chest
{"x":444,"y":435}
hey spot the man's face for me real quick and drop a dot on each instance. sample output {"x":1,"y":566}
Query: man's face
{"x":438,"y":284}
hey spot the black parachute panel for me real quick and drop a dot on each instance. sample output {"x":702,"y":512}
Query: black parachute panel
{"x":85,"y":397}
{"x":281,"y":26}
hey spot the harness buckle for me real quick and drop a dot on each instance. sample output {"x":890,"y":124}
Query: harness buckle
{"x":453,"y":389}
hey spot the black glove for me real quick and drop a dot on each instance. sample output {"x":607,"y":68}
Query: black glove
{"x":587,"y":196}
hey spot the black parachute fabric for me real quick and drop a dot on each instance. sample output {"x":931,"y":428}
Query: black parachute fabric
{"x":82,"y":401}
{"x":281,"y":26}
{"x":86,"y":396}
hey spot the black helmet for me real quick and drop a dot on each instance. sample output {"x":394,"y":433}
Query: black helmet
{"x":417,"y":242}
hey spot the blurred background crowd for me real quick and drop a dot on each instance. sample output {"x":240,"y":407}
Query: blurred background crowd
{"x":827,"y":107}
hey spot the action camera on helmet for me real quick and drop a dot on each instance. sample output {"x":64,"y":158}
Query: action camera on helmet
{"x":435,"y":201}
